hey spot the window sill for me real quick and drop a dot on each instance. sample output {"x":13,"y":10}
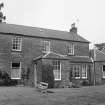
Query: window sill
{"x":84,"y":77}
{"x":16,"y":78}
{"x":57,"y":79}
{"x":16,"y":50}
{"x":45,"y":51}
{"x":77,"y":77}
{"x":103,"y":77}
{"x":70,"y":54}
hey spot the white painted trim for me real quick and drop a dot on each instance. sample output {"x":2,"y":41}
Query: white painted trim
{"x":60,"y":72}
{"x":49,"y":46}
{"x":19,"y":72}
{"x":35,"y":75}
{"x":71,"y":44}
{"x":20,"y":44}
{"x":46,"y":54}
{"x":86,"y":72}
{"x":77,"y":77}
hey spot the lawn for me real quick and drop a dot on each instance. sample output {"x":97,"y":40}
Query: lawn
{"x":93,"y":95}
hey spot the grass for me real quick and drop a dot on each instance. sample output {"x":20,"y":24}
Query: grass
{"x":93,"y":95}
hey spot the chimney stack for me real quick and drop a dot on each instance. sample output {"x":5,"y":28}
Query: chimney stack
{"x":73,"y":28}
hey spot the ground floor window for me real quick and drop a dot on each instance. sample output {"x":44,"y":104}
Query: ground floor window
{"x":84,"y":71}
{"x":16,"y":70}
{"x":57,"y":69}
{"x":103,"y":70}
{"x":76,"y":71}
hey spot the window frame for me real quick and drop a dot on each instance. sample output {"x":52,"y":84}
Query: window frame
{"x":70,"y":48}
{"x":19,"y":44}
{"x":74,"y":71}
{"x":84,"y":67}
{"x":18,"y":69}
{"x":44,"y":46}
{"x":59,"y":71}
{"x":103,"y":72}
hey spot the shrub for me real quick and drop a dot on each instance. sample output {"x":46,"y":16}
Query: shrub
{"x":5,"y":79}
{"x":85,"y":83}
{"x":47,"y":75}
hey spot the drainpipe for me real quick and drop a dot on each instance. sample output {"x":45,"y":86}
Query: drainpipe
{"x":94,"y":73}
{"x":94,"y":59}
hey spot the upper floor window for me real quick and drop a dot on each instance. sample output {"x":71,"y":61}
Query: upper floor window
{"x":103,"y":71}
{"x":16,"y":70}
{"x":16,"y":43}
{"x":70,"y":48}
{"x":84,"y":71}
{"x":57,"y":69}
{"x":46,"y":46}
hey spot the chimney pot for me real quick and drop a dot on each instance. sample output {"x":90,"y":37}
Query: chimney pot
{"x":73,"y":28}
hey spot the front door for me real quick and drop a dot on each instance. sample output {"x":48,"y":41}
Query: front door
{"x":35,"y":76}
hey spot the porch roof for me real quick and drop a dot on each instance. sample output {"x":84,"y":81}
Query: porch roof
{"x":52,"y":55}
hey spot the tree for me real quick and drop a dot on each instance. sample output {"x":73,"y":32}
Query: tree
{"x":2,"y":17}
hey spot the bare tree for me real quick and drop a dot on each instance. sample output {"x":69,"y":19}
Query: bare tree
{"x":2,"y":17}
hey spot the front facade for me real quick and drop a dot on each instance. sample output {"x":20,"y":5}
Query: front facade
{"x":24,"y":49}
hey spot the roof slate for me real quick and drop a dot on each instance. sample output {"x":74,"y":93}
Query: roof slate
{"x":39,"y":32}
{"x":99,"y":55}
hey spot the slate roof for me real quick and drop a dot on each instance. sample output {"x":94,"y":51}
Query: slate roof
{"x":39,"y":32}
{"x":77,"y":59}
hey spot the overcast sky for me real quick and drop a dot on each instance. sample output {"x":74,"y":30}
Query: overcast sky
{"x":60,"y":14}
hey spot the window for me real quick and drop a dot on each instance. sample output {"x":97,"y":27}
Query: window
{"x":57,"y":69}
{"x":84,"y":71}
{"x":76,"y":71}
{"x":16,"y":70}
{"x":70,"y":48}
{"x":16,"y":43}
{"x":46,"y":46}
{"x":103,"y":71}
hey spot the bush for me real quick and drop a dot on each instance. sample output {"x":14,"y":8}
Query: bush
{"x":5,"y":80}
{"x":85,"y":83}
{"x":47,"y":75}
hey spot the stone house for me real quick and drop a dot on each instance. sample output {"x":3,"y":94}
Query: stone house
{"x":24,"y":49}
{"x":98,"y":55}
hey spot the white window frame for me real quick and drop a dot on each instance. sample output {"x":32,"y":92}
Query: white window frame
{"x":103,"y":72}
{"x":45,"y":42}
{"x":84,"y":70}
{"x":70,"y":48}
{"x":19,"y":71}
{"x":76,"y":66}
{"x":19,"y":44}
{"x":57,"y":79}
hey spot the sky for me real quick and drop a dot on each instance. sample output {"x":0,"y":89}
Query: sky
{"x":88,"y":15}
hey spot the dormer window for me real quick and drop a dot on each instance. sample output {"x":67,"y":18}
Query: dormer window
{"x":46,"y":46}
{"x":16,"y":44}
{"x":70,"y":49}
